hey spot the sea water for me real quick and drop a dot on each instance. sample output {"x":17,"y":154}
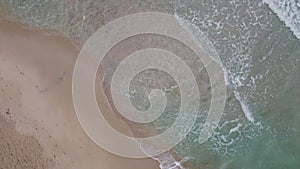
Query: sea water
{"x":261,"y":57}
{"x":258,"y":44}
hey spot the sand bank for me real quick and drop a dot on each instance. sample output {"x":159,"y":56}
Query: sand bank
{"x":39,"y":128}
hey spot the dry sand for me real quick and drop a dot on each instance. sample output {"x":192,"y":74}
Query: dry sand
{"x":38,"y":125}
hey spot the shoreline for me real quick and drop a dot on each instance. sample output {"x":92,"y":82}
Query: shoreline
{"x":46,"y":109}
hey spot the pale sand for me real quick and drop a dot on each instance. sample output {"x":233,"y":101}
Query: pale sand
{"x":41,"y":130}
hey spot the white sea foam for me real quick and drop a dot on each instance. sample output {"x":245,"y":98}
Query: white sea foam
{"x":207,"y":46}
{"x":199,"y":38}
{"x":245,"y":108}
{"x":167,"y":161}
{"x":289,"y":12}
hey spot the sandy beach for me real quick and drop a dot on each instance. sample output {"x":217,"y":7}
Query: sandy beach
{"x":38,"y":124}
{"x":253,"y":122}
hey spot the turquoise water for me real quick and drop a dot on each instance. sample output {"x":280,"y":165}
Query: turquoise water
{"x":259,"y":49}
{"x":261,"y":56}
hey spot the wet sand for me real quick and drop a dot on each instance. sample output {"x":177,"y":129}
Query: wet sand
{"x":38,"y":124}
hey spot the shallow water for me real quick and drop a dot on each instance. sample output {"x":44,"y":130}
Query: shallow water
{"x":259,"y":50}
